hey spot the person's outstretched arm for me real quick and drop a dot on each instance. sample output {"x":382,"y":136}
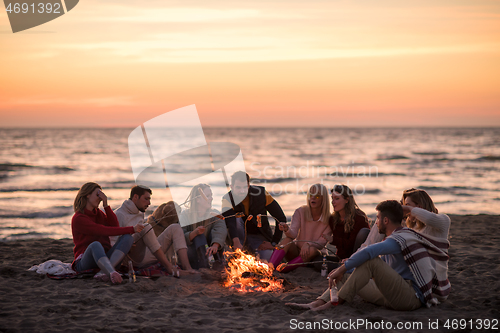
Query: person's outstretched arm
{"x":275,"y":210}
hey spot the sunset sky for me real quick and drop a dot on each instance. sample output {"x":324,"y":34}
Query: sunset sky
{"x":118,"y":63}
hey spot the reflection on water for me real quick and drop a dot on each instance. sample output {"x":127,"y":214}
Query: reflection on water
{"x":41,"y":169}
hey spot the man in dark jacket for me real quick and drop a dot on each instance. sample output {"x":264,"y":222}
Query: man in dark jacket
{"x":253,"y":232}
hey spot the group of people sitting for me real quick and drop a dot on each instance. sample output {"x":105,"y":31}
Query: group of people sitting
{"x":400,"y":263}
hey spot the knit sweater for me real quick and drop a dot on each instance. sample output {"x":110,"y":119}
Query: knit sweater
{"x":302,"y":229}
{"x":436,"y":225}
{"x":91,"y":226}
{"x":128,"y":215}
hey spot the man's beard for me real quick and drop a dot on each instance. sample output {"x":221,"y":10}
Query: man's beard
{"x":239,"y":198}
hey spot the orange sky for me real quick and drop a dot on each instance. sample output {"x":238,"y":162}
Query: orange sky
{"x":256,"y":63}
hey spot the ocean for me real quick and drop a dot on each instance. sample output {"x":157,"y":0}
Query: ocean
{"x":41,"y":170}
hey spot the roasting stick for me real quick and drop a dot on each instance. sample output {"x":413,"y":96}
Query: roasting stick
{"x":279,"y":247}
{"x":260,"y":216}
{"x":283,"y":265}
{"x":248,"y":219}
{"x":221,"y":217}
{"x":202,"y":195}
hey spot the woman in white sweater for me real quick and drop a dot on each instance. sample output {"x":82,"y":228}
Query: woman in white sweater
{"x":422,"y":215}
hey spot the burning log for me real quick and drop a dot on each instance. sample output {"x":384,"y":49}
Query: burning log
{"x":246,"y":274}
{"x":252,"y":275}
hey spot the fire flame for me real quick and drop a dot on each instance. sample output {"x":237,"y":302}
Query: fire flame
{"x":246,"y":274}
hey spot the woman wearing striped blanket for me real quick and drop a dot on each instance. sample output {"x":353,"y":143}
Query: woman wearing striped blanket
{"x":422,"y":215}
{"x":413,"y":269}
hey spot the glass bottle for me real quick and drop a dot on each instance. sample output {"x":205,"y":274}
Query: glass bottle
{"x":324,"y":267}
{"x":131,"y":272}
{"x":211,"y":259}
{"x":334,"y":296}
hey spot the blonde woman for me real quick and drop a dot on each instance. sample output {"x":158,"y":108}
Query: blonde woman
{"x":201,"y":226}
{"x":309,"y":223}
{"x":91,"y":229}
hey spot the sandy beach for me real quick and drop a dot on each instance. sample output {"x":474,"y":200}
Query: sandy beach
{"x":198,"y":303}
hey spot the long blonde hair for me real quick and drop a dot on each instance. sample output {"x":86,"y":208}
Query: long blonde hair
{"x":351,"y":209}
{"x":318,"y":189}
{"x":422,"y":200}
{"x":81,"y":197}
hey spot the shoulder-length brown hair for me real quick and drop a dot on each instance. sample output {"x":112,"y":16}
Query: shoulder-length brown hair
{"x":422,"y":200}
{"x":351,"y":208}
{"x":81,"y":197}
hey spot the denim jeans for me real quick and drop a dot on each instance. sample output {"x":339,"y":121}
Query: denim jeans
{"x":95,"y":251}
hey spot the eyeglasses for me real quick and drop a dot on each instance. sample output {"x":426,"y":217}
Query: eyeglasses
{"x":317,"y":197}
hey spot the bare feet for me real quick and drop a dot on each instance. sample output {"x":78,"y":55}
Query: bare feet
{"x":313,"y":305}
{"x":100,"y":276}
{"x":299,"y":306}
{"x":115,"y":277}
{"x":322,"y":307}
{"x":317,"y":305}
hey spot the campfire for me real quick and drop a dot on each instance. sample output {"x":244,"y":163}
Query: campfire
{"x":245,"y":273}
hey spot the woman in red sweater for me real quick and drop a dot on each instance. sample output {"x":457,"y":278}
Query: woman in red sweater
{"x":348,"y":223}
{"x":91,"y":229}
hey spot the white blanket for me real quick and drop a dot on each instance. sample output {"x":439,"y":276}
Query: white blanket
{"x":53,"y":267}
